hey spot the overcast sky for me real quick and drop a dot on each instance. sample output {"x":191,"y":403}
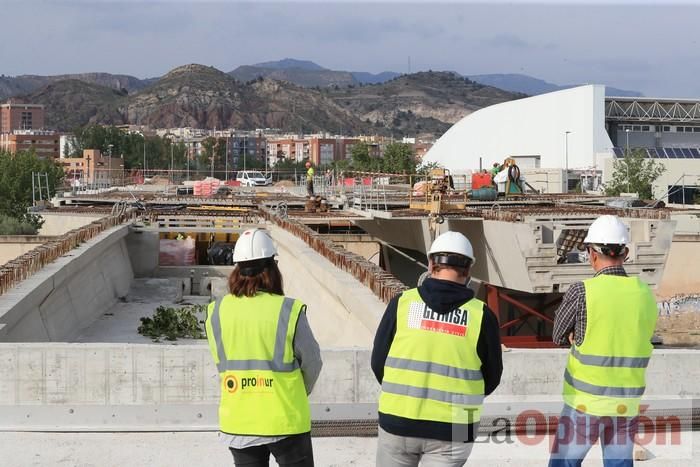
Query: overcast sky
{"x":652,"y":47}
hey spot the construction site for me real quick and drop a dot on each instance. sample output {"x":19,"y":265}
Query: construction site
{"x":76,"y":368}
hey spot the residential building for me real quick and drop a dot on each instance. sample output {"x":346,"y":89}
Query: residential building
{"x":44,"y":143}
{"x":319,"y":149}
{"x":17,"y":116}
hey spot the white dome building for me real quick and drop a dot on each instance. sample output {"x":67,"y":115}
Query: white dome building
{"x":535,"y":131}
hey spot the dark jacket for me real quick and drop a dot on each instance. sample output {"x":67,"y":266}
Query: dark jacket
{"x":442,"y":297}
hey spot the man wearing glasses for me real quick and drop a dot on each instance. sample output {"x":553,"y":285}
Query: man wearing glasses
{"x":608,"y":321}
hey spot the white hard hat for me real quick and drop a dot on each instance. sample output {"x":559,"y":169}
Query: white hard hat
{"x":608,"y":230}
{"x":454,"y":243}
{"x":253,"y":244}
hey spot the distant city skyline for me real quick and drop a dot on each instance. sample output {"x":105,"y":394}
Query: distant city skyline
{"x":631,"y":45}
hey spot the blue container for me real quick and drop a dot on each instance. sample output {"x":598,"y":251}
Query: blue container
{"x":484,"y":194}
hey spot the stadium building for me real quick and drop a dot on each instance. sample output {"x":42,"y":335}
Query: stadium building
{"x":564,"y":138}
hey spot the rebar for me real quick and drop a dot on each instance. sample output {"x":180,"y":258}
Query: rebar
{"x":384,"y":285}
{"x":24,"y":266}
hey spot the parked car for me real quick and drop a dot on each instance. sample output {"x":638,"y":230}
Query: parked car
{"x":253,"y":178}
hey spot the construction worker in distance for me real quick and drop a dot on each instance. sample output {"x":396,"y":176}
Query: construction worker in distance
{"x":608,"y":321}
{"x":495,"y":170}
{"x":436,"y":354}
{"x":309,"y":179}
{"x":268,"y":360}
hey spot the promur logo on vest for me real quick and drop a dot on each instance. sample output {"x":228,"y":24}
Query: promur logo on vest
{"x":420,"y":316}
{"x":257,"y":382}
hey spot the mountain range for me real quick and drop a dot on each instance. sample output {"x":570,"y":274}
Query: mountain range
{"x":533,"y":86}
{"x":294,"y":95}
{"x":425,"y":103}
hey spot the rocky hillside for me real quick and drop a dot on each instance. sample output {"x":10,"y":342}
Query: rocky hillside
{"x":204,"y":97}
{"x":72,"y":103}
{"x":199,"y":96}
{"x":425,"y":102}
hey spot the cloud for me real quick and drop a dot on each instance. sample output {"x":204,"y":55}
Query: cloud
{"x":509,"y":41}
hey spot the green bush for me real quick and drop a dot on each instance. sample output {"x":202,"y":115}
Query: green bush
{"x":172,"y":323}
{"x":12,"y":226}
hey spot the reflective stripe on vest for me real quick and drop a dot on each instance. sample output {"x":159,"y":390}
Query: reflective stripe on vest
{"x":596,"y":360}
{"x":432,"y":394}
{"x":432,"y":367}
{"x":277,"y":362}
{"x":433,"y":372}
{"x":605,"y":375}
{"x":609,"y":391}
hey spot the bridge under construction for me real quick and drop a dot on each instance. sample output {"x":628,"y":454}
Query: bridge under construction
{"x":70,"y":306}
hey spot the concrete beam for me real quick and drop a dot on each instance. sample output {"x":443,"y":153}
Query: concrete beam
{"x":67,"y":295}
{"x":147,"y":387}
{"x":338,"y":304}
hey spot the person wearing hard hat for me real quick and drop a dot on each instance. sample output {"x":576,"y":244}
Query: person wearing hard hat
{"x":309,"y":179}
{"x":267,"y":357}
{"x":495,"y":171}
{"x":608,"y":321}
{"x":436,"y":354}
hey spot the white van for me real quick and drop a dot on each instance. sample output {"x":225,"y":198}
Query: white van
{"x":253,"y":178}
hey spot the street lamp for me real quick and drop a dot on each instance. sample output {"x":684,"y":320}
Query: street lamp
{"x":226,"y":165}
{"x":627,"y":155}
{"x":172,"y":160}
{"x":109,"y":163}
{"x":566,"y":153}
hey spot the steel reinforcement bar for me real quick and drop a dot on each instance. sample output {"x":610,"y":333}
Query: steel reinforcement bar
{"x":22,"y":267}
{"x":381,"y":283}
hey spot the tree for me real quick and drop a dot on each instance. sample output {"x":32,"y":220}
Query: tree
{"x":16,"y":183}
{"x":634,"y":173}
{"x":399,"y":158}
{"x":425,"y":167}
{"x":361,"y":159}
{"x":216,"y":148}
{"x":118,"y":143}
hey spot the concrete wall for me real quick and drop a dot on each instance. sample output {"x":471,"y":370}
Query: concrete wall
{"x":59,"y":223}
{"x":12,"y":246}
{"x":67,"y":295}
{"x":134,"y":387}
{"x":148,"y":387}
{"x":340,"y":309}
{"x":371,"y":251}
{"x":680,"y":275}
{"x":143,"y":248}
{"x":546,"y":180}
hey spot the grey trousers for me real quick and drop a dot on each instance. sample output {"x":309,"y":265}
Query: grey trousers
{"x":402,"y":451}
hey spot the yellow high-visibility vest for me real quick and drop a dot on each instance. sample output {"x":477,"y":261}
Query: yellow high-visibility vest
{"x":605,"y":375}
{"x":262,"y":388}
{"x":432,"y":371}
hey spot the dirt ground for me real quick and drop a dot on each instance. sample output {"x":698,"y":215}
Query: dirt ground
{"x":680,"y":329}
{"x":679,"y":321}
